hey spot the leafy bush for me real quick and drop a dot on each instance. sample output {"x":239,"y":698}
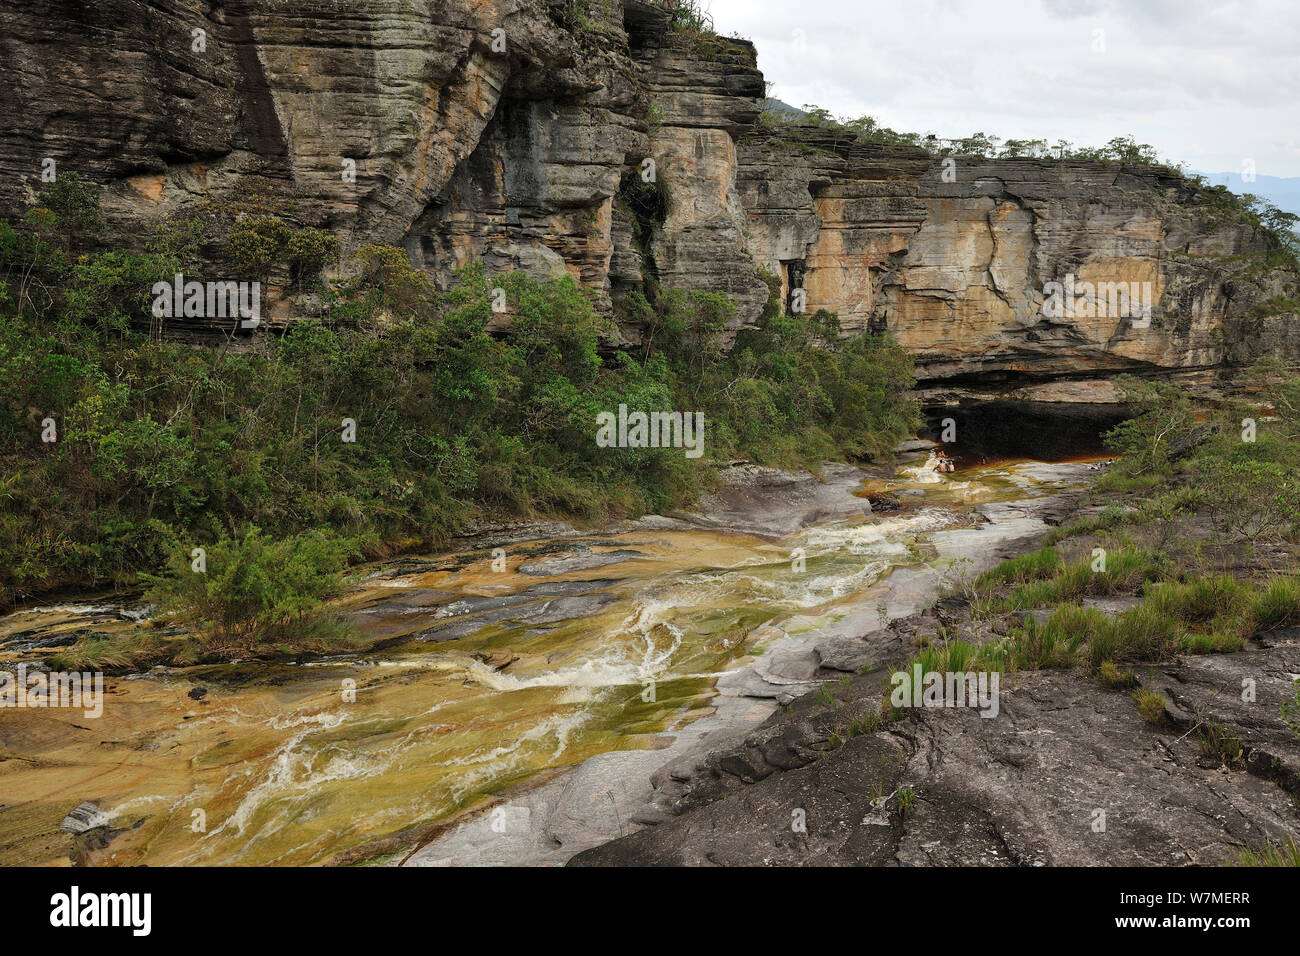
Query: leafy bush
{"x":1162,"y":426}
{"x":1250,"y":488}
{"x":308,"y":251}
{"x":256,"y":590}
{"x":257,"y":243}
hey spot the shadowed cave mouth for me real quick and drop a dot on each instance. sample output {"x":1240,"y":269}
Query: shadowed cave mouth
{"x":993,"y":431}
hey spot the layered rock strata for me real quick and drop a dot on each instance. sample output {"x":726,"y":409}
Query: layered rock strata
{"x":593,"y":140}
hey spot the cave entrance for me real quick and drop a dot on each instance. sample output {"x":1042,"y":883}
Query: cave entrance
{"x":994,"y":431}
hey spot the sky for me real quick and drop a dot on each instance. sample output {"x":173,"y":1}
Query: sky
{"x":1214,"y":85}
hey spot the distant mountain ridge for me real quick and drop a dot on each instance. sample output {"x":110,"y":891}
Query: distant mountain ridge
{"x":780,"y":106}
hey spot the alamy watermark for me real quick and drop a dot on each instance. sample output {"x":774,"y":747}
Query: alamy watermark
{"x":976,"y":689}
{"x":208,"y":300}
{"x":42,"y":689}
{"x":651,"y":430}
{"x":74,"y":909}
{"x":1116,"y":300}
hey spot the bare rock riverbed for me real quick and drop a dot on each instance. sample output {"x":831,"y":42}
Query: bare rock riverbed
{"x":723,"y":788}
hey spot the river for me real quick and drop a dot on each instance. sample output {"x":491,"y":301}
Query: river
{"x":488,"y":679}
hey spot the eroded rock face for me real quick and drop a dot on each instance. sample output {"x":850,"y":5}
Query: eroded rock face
{"x":956,"y":261}
{"x":515,"y":132}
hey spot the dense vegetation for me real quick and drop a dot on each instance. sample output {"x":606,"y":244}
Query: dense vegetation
{"x":240,"y":448}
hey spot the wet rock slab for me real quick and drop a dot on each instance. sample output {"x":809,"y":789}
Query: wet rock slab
{"x":584,"y":561}
{"x":771,"y":503}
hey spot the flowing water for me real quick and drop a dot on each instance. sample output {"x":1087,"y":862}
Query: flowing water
{"x":514,"y":673}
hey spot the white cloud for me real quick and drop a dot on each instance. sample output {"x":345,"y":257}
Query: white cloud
{"x":1204,"y":81}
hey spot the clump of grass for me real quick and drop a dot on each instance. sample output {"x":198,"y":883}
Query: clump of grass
{"x":1278,"y":605}
{"x":1150,"y":705}
{"x":1034,"y":594}
{"x":948,"y":657}
{"x":123,"y":652}
{"x":1199,"y":600}
{"x":1144,"y":634}
{"x":1217,"y":642}
{"x":1041,"y":582}
{"x":1124,"y":573}
{"x":1218,"y":742}
{"x":1112,"y":517}
{"x":906,"y":800}
{"x":1286,"y":853}
{"x":868,"y":723}
{"x":1138,"y":635}
{"x":1185,"y":498}
{"x":995,"y":658}
{"x":1035,"y":566}
{"x":1056,"y":641}
{"x":1117,"y":481}
{"x":1111,"y":676}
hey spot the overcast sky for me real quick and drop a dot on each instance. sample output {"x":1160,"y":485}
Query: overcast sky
{"x":1210,"y":84}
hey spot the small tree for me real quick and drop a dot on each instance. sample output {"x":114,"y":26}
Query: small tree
{"x":1162,"y":425}
{"x":308,"y":251}
{"x":257,"y":243}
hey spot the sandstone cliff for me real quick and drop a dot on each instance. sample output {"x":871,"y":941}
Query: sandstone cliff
{"x":516,"y":132}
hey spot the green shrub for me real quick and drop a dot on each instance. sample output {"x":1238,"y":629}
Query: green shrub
{"x":1150,"y":705}
{"x":1162,"y":427}
{"x":256,"y":590}
{"x":257,"y":243}
{"x":1250,"y":498}
{"x":308,"y":251}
